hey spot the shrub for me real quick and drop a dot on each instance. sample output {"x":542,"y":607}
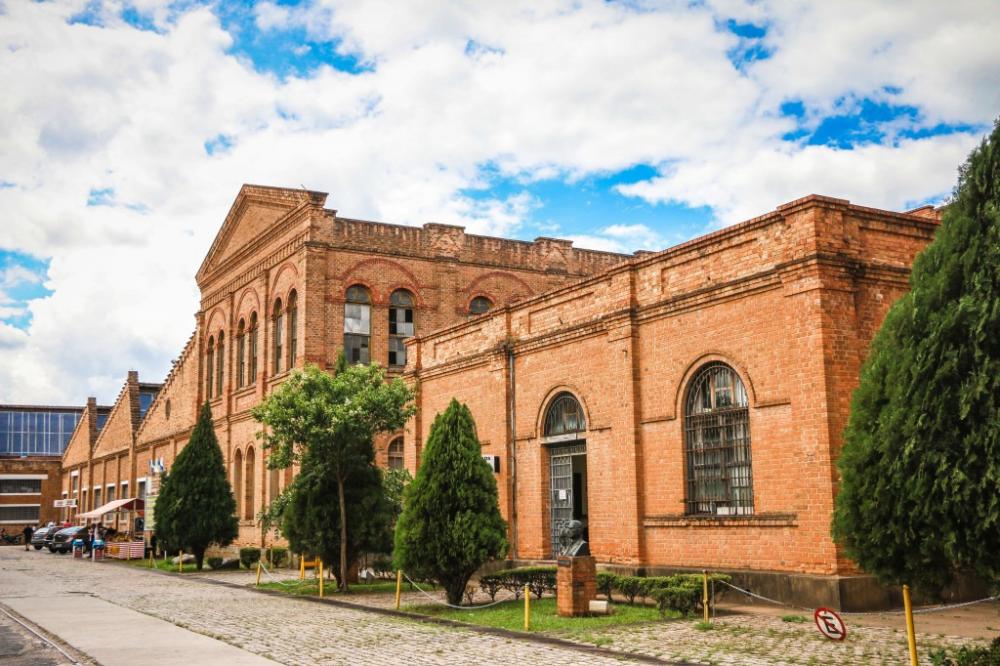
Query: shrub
{"x":249,"y":557}
{"x":629,"y":586}
{"x":277,"y":555}
{"x":490,"y":584}
{"x":970,"y":656}
{"x":538,"y":579}
{"x":681,"y":593}
{"x":606,"y":582}
{"x":382,"y":566}
{"x":215,"y":562}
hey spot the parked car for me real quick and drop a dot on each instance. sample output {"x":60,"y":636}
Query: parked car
{"x":43,"y":537}
{"x":62,"y":542}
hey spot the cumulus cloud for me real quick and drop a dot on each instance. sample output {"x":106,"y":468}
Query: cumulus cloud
{"x":124,"y":147}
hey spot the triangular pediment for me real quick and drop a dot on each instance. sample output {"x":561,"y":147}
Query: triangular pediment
{"x":256,"y":210}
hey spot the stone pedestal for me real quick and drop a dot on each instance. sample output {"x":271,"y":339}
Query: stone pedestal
{"x":576,"y":585}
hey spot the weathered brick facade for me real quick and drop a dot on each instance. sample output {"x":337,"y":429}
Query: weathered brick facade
{"x":789,"y":301}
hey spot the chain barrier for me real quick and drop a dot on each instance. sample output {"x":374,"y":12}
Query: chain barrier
{"x":445,"y":603}
{"x":276,"y":580}
{"x":929,"y":609}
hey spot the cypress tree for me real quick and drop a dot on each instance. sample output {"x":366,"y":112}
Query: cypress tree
{"x":451,"y":523}
{"x":195,"y":507}
{"x":920,"y":470}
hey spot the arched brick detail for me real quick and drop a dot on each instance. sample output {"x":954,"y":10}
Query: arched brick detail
{"x":547,"y":402}
{"x":474,"y":285}
{"x":708,"y":357}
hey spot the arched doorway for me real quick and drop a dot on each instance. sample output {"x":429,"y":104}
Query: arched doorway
{"x":564,"y":434}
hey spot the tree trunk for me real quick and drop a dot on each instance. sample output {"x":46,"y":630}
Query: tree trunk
{"x":343,"y":535}
{"x":199,"y":558}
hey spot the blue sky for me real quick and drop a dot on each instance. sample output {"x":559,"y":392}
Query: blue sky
{"x":619,"y":125}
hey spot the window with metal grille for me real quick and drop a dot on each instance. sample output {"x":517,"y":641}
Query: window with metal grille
{"x":209,"y":368}
{"x":220,"y":363}
{"x":20,"y":486}
{"x":279,"y":321}
{"x":565,"y":417}
{"x":357,"y":325}
{"x":241,"y":354}
{"x":19,"y":513}
{"x":293,"y":328}
{"x":717,"y":444}
{"x":396,"y":453}
{"x":252,"y":352}
{"x":400,"y":325}
{"x":480,"y":305}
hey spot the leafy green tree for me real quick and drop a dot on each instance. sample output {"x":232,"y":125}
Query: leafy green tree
{"x":327,"y":423}
{"x":195,"y":507}
{"x":920,"y":468}
{"x":451,"y":523}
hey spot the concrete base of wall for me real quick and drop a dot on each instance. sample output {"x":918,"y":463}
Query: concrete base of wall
{"x":844,"y":593}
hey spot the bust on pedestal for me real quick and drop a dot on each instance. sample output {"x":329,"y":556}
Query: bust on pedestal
{"x":576,"y":575}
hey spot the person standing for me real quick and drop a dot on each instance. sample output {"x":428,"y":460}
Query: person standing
{"x":28,"y":531}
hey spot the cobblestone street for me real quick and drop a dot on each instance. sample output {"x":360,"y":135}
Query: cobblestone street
{"x":295,"y":631}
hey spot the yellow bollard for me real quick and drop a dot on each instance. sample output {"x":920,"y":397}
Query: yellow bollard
{"x":911,"y":637}
{"x":180,"y":562}
{"x":527,"y":608}
{"x":320,"y":578}
{"x":704,"y":593}
{"x":257,"y":584}
{"x":399,"y":585}
{"x":302,"y":567}
{"x":152,"y":563}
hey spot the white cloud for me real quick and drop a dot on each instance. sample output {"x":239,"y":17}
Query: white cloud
{"x":546,"y":89}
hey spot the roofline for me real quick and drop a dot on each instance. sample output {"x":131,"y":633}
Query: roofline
{"x":46,"y":408}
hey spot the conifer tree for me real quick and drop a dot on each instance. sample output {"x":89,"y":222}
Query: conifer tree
{"x":195,"y":507}
{"x":920,"y":490}
{"x":451,"y":523}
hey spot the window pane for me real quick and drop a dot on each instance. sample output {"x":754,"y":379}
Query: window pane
{"x":357,"y":318}
{"x":356,"y":349}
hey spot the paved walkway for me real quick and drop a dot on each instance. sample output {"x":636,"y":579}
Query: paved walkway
{"x":287,"y":630}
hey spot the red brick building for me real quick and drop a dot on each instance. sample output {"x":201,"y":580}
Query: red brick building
{"x":687,"y":405}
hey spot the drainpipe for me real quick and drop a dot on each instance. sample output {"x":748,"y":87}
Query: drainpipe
{"x":513,"y":451}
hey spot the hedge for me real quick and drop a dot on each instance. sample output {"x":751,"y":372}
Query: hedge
{"x":277,"y":555}
{"x":680,"y":592}
{"x":538,"y":579}
{"x":249,"y":557}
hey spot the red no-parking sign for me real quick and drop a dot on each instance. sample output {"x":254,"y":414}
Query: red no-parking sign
{"x":830,"y":624}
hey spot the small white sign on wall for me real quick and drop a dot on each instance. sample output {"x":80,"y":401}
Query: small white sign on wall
{"x":493,"y":462}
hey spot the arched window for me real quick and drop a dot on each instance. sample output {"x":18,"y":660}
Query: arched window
{"x":396,"y":453}
{"x":210,"y":368}
{"x":565,"y":417}
{"x":480,"y":305}
{"x":241,"y":352}
{"x":357,"y":325}
{"x":272,"y":485}
{"x":248,"y":500}
{"x":252,"y":361}
{"x":220,"y":357}
{"x":717,"y":443}
{"x":238,"y":480}
{"x":293,"y":328}
{"x":276,"y":314}
{"x":400,"y":325}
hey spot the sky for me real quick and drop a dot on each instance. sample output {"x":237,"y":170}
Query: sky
{"x":128,"y":127}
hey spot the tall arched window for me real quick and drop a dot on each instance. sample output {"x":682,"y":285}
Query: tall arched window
{"x":293,"y":328}
{"x":396,"y":453}
{"x":210,"y":368}
{"x":480,"y":305}
{"x":717,"y":443}
{"x":278,"y":323}
{"x":241,"y":355}
{"x":248,"y":501}
{"x":252,"y":361}
{"x":400,"y":325}
{"x":220,"y":357}
{"x":238,"y":481}
{"x":272,"y":485}
{"x":357,"y":325}
{"x":565,"y":418}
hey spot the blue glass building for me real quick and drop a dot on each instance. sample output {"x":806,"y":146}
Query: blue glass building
{"x":36,"y":431}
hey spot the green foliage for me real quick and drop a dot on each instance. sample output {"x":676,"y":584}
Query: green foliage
{"x":606,"y":583}
{"x":196,"y":507}
{"x":215,"y":563}
{"x":326,"y":423}
{"x":629,"y":586}
{"x":680,"y":593}
{"x":920,"y":465}
{"x":969,"y":656}
{"x":277,"y":555}
{"x":538,"y":579}
{"x":311,"y":521}
{"x":795,"y":619}
{"x":451,"y":523}
{"x":249,"y":557}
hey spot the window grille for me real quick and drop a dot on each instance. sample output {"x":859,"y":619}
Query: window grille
{"x":357,"y":325}
{"x":219,"y":365}
{"x":565,"y":417}
{"x":400,"y":325}
{"x":209,"y":368}
{"x":293,"y":327}
{"x":252,"y":361}
{"x":241,"y":351}
{"x":480,"y":305}
{"x":717,"y":444}
{"x":248,"y":505}
{"x":278,"y":323}
{"x":396,"y":453}
{"x":13,"y":513}
{"x":20,"y":486}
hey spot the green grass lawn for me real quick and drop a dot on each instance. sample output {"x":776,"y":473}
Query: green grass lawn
{"x":510,"y":615}
{"x":310,"y":587}
{"x":161,"y":565}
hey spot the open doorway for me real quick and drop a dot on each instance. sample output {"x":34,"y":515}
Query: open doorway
{"x":568,"y":469}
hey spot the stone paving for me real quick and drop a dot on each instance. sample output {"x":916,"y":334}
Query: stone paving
{"x":294,"y":631}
